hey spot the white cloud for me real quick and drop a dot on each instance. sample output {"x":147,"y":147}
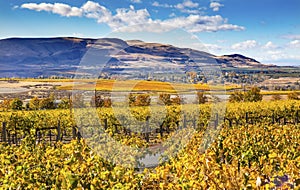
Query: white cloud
{"x":57,"y":8}
{"x":172,"y":15}
{"x":136,"y":1}
{"x":215,"y":6}
{"x":128,"y":17}
{"x":15,"y":7}
{"x":192,"y":23}
{"x":213,"y":47}
{"x":293,"y":36}
{"x":295,"y":44}
{"x":165,"y":5}
{"x":249,"y":44}
{"x":131,"y":20}
{"x":269,"y":45}
{"x":187,"y":4}
{"x":280,"y":55}
{"x":190,"y":11}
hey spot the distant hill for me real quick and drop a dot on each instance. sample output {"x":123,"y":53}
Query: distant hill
{"x":33,"y":57}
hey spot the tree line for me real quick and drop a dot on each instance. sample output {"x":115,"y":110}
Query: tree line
{"x":134,"y":99}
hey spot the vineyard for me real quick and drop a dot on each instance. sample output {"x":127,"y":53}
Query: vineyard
{"x":254,"y":145}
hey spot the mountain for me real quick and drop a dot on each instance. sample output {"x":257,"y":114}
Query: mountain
{"x":33,"y":57}
{"x":239,"y":61}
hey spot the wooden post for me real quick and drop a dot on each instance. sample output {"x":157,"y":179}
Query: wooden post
{"x":216,"y":121}
{"x":184,"y":121}
{"x":105,"y":124}
{"x":36,"y":134}
{"x":14,"y":138}
{"x":8,"y":135}
{"x":50,"y":135}
{"x":296,"y":117}
{"x":161,"y":129}
{"x":247,"y":118}
{"x":78,"y":135}
{"x":58,"y":137}
{"x":147,"y":129}
{"x":194,"y":122}
{"x":74,"y":132}
{"x":4,"y":132}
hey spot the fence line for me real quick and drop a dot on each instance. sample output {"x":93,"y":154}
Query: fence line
{"x":41,"y":134}
{"x":47,"y":134}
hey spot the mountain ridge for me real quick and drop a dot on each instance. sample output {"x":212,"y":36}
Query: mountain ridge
{"x":31,"y":57}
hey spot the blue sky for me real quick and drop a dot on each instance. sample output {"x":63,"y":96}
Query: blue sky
{"x":267,"y":30}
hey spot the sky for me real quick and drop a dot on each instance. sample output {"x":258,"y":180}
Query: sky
{"x":266,"y":30}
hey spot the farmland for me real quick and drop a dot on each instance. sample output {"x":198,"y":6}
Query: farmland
{"x":257,"y":145}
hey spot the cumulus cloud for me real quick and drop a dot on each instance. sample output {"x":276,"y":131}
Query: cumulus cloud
{"x":57,"y":8}
{"x":131,"y":20}
{"x":215,"y":6}
{"x":188,"y":6}
{"x":192,"y":23}
{"x":249,"y":44}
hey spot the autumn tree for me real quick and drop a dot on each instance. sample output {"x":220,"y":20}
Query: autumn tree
{"x":176,"y":100}
{"x":100,"y":101}
{"x":276,"y":97}
{"x":6,"y":104}
{"x":46,"y":103}
{"x":253,"y":95}
{"x":165,"y":99}
{"x":34,"y":103}
{"x":139,"y":99}
{"x":237,"y":96}
{"x":201,"y":98}
{"x":16,"y":104}
{"x":65,"y":103}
